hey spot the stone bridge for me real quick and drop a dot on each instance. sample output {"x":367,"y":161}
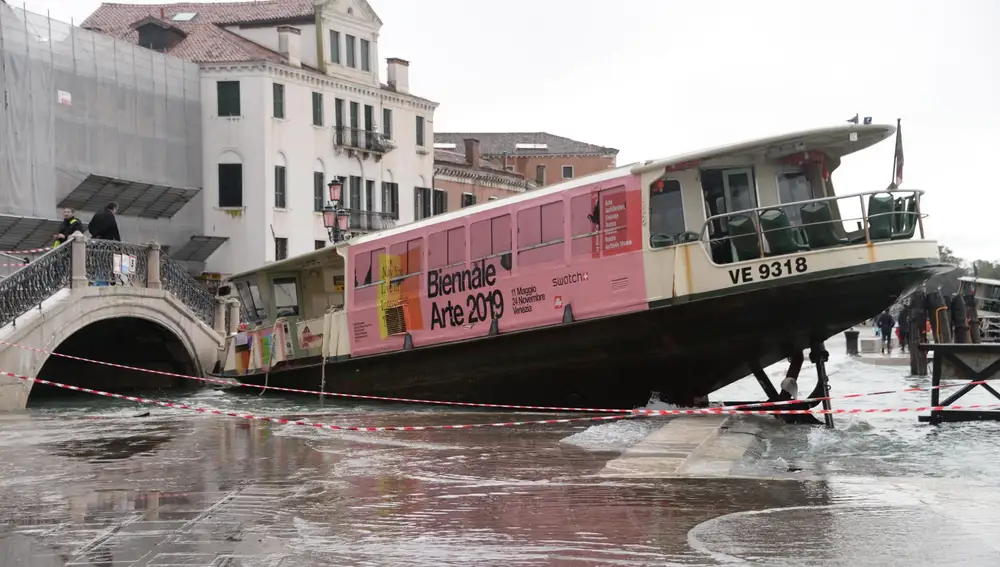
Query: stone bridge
{"x":110,"y":301}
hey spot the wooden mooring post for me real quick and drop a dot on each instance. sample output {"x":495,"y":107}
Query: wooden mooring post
{"x":917,"y":334}
{"x":973,"y":362}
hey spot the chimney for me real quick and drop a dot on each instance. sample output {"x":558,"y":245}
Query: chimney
{"x":289,"y":44}
{"x":472,"y":152}
{"x":399,"y":74}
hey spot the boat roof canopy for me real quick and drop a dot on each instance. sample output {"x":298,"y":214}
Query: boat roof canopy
{"x":973,"y":279}
{"x":323,"y":256}
{"x":834,"y":141}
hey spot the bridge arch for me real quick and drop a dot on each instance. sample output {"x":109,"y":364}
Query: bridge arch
{"x":145,"y":328}
{"x":141,"y":342}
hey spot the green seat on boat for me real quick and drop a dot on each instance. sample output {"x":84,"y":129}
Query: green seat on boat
{"x":880,"y":216}
{"x":818,"y":223}
{"x":662,"y":240}
{"x":743,"y":235}
{"x":906,"y":217}
{"x":688,"y":237}
{"x":780,"y":236}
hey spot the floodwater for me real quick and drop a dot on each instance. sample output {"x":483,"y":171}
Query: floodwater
{"x":86,"y":481}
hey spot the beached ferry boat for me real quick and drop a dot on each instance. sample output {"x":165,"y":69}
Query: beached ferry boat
{"x":678,"y":276}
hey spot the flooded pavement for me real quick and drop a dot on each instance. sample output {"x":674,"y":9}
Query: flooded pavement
{"x":84,"y":482}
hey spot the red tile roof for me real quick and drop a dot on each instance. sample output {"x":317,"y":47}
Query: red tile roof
{"x":206,"y":39}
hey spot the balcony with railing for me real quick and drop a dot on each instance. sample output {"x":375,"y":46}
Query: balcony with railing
{"x":365,"y":142}
{"x":369,"y":221}
{"x":877,"y":216}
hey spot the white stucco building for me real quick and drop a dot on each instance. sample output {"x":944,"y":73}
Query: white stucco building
{"x":291,"y":98}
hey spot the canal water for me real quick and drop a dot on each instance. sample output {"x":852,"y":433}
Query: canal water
{"x":87,"y":481}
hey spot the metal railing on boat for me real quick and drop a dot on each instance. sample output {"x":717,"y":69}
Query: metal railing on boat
{"x":775,"y":230}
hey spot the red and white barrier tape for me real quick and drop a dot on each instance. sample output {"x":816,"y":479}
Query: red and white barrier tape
{"x":283,"y":421}
{"x":711,"y":411}
{"x":31,"y":251}
{"x":478,"y":404}
{"x":12,"y":265}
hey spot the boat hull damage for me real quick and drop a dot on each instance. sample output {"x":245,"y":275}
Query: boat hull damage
{"x":682,"y":349}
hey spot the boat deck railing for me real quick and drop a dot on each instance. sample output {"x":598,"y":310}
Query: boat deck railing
{"x":815,"y":224}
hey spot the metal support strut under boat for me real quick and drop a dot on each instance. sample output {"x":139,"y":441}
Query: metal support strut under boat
{"x":819,"y":356}
{"x":789,"y":391}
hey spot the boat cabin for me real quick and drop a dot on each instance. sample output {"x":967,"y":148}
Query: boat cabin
{"x":771,"y":197}
{"x":986,"y":292}
{"x":698,"y":225}
{"x":295,"y":296}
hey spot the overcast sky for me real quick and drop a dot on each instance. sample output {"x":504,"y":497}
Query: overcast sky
{"x":658,"y":77}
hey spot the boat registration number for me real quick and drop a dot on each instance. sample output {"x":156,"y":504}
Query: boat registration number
{"x":769,"y":270}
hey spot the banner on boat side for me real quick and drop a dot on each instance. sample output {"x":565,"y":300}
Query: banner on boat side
{"x":398,"y":295}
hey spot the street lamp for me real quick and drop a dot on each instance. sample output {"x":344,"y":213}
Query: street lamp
{"x":334,"y":216}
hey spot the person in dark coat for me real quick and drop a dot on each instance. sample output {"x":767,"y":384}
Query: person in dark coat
{"x":885,"y":323}
{"x":104,"y":226}
{"x":70,"y":224}
{"x":904,"y":327}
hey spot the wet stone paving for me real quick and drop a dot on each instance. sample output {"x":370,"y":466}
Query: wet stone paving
{"x":90,"y":482}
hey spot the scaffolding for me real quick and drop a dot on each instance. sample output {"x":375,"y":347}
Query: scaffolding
{"x":78,"y":105}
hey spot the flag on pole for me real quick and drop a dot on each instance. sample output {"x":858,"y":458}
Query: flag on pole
{"x":897,"y":159}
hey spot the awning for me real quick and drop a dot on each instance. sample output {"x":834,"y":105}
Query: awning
{"x":135,"y":199}
{"x":26,"y":233}
{"x":198,"y":249}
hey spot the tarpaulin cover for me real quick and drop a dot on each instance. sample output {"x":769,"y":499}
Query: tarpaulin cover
{"x":77,"y":103}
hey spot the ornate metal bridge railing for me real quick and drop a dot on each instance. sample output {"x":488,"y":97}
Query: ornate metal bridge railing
{"x":118,"y":263}
{"x":182,"y":285}
{"x":29,"y":286}
{"x":88,"y":262}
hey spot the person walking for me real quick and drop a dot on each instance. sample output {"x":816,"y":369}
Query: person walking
{"x":70,"y":224}
{"x":885,"y":323}
{"x":904,"y":327}
{"x":104,"y":226}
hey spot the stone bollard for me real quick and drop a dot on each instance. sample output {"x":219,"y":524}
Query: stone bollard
{"x":220,"y":316}
{"x":78,"y":261}
{"x":234,"y":315}
{"x":852,"y":341}
{"x":153,"y":266}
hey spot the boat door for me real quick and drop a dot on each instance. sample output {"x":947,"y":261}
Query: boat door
{"x":288,"y":308}
{"x":726,"y":191}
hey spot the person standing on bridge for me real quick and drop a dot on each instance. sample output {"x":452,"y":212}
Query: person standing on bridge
{"x":104,"y":226}
{"x":70,"y":224}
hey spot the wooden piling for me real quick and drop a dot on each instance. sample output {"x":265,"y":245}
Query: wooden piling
{"x":917,"y":334}
{"x":972,"y":312}
{"x":959,"y":320}
{"x":937,"y":312}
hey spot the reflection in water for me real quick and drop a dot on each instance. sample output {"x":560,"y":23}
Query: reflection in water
{"x":119,"y":489}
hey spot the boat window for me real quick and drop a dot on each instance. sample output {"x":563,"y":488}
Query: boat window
{"x":540,"y":235}
{"x":584,"y":219}
{"x":456,"y":246}
{"x":259,"y":307}
{"x":491,"y":238}
{"x":366,"y":267}
{"x":446,"y":248}
{"x":666,"y":209}
{"x":406,"y":256}
{"x":286,"y":297}
{"x":248,"y":303}
{"x":794,"y":186}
